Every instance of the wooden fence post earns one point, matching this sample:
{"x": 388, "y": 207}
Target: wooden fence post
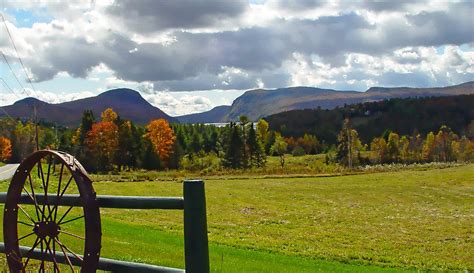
{"x": 196, "y": 248}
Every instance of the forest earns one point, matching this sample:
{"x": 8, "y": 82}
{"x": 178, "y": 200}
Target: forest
{"x": 372, "y": 119}
{"x": 361, "y": 134}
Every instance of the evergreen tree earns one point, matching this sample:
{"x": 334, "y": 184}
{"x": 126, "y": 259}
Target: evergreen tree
{"x": 234, "y": 153}
{"x": 244, "y": 123}
{"x": 151, "y": 160}
{"x": 256, "y": 151}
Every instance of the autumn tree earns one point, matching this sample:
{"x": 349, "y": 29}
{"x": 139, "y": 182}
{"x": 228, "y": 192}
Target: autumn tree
{"x": 429, "y": 147}
{"x": 465, "y": 150}
{"x": 23, "y": 141}
{"x": 109, "y": 115}
{"x": 393, "y": 146}
{"x": 102, "y": 142}
{"x": 349, "y": 145}
{"x": 404, "y": 149}
{"x": 309, "y": 143}
{"x": 279, "y": 148}
{"x": 378, "y": 147}
{"x": 162, "y": 137}
{"x": 5, "y": 149}
{"x": 443, "y": 141}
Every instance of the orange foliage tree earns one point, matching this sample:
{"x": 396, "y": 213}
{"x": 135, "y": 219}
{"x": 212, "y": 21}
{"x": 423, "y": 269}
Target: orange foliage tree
{"x": 102, "y": 141}
{"x": 162, "y": 137}
{"x": 5, "y": 149}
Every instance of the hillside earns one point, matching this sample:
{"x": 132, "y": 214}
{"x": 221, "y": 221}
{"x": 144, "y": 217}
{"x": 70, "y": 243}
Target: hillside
{"x": 214, "y": 115}
{"x": 404, "y": 116}
{"x": 260, "y": 103}
{"x": 128, "y": 103}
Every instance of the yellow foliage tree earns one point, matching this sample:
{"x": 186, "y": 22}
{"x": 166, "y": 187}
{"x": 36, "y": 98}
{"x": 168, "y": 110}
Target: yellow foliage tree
{"x": 109, "y": 115}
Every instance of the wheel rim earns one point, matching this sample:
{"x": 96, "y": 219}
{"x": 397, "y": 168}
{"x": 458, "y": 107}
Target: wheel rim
{"x": 73, "y": 231}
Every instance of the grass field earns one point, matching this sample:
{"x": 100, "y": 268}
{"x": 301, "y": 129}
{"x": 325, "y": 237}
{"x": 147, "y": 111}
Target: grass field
{"x": 379, "y": 222}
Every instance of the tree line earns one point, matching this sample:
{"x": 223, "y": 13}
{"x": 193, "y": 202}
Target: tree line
{"x": 441, "y": 146}
{"x": 372, "y": 119}
{"x": 110, "y": 143}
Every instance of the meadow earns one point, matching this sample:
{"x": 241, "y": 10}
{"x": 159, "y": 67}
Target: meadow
{"x": 411, "y": 219}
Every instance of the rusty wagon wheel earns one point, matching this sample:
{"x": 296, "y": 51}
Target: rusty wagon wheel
{"x": 52, "y": 233}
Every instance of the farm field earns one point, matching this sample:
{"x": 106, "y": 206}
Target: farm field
{"x": 378, "y": 222}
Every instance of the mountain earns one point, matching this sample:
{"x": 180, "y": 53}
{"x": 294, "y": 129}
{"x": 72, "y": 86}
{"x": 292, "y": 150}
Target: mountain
{"x": 212, "y": 116}
{"x": 260, "y": 102}
{"x": 129, "y": 104}
{"x": 373, "y": 119}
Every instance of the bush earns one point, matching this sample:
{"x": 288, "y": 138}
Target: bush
{"x": 298, "y": 151}
{"x": 201, "y": 162}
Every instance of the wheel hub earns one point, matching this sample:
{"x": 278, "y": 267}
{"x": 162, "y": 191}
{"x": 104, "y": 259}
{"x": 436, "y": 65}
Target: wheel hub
{"x": 48, "y": 228}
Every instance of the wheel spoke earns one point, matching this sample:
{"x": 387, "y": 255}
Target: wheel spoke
{"x": 74, "y": 254}
{"x": 59, "y": 198}
{"x": 71, "y": 220}
{"x": 26, "y": 224}
{"x": 68, "y": 210}
{"x": 42, "y": 261}
{"x": 65, "y": 255}
{"x": 72, "y": 234}
{"x": 59, "y": 190}
{"x": 26, "y": 213}
{"x": 37, "y": 207}
{"x": 53, "y": 255}
{"x": 44, "y": 188}
{"x": 29, "y": 251}
{"x": 26, "y": 236}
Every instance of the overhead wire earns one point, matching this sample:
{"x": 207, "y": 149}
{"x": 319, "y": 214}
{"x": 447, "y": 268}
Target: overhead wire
{"x": 28, "y": 77}
{"x": 14, "y": 75}
{"x": 4, "y": 83}
{"x": 17, "y": 54}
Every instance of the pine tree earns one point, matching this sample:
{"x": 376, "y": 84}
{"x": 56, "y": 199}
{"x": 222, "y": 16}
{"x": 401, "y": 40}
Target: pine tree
{"x": 234, "y": 153}
{"x": 256, "y": 151}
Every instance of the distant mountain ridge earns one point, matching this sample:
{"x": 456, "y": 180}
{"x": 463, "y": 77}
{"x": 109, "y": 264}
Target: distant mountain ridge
{"x": 254, "y": 104}
{"x": 261, "y": 103}
{"x": 128, "y": 103}
{"x": 212, "y": 116}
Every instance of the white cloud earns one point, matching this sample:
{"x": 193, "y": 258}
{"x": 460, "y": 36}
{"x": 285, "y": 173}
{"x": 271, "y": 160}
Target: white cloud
{"x": 176, "y": 104}
{"x": 237, "y": 45}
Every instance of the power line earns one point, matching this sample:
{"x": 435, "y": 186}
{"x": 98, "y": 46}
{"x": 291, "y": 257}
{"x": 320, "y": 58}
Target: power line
{"x": 14, "y": 75}
{"x": 4, "y": 83}
{"x": 18, "y": 55}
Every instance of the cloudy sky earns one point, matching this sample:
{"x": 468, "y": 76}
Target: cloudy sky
{"x": 190, "y": 55}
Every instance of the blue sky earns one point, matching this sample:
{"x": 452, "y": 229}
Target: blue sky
{"x": 185, "y": 62}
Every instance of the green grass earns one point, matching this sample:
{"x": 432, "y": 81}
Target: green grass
{"x": 391, "y": 221}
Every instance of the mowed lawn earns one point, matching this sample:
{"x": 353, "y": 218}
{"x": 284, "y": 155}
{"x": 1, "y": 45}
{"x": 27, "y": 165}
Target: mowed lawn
{"x": 392, "y": 221}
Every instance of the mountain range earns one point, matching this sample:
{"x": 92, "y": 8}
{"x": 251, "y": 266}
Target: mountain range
{"x": 255, "y": 104}
{"x": 129, "y": 104}
{"x": 260, "y": 103}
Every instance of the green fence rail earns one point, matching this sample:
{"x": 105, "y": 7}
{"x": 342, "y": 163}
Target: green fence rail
{"x": 193, "y": 203}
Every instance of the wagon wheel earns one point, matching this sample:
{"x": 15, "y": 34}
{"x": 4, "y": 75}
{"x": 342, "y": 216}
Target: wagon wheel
{"x": 52, "y": 233}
